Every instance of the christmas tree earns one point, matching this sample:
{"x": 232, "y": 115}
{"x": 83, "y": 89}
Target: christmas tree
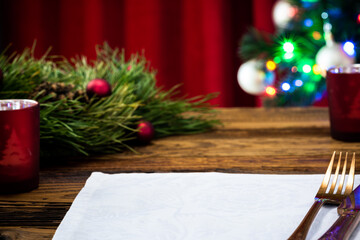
{"x": 288, "y": 68}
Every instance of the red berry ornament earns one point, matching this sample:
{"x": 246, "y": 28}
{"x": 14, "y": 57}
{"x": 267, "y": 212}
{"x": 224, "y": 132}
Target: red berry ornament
{"x": 98, "y": 87}
{"x": 146, "y": 132}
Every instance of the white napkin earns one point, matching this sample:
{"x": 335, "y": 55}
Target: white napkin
{"x": 194, "y": 206}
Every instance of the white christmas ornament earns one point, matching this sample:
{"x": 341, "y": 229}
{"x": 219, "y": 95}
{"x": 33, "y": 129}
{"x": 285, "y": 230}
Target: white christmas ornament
{"x": 251, "y": 77}
{"x": 332, "y": 55}
{"x": 282, "y": 13}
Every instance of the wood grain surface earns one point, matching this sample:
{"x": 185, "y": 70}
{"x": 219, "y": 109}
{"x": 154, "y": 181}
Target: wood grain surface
{"x": 251, "y": 140}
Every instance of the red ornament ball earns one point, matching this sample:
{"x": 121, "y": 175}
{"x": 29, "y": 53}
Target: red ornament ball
{"x": 98, "y": 87}
{"x": 145, "y": 132}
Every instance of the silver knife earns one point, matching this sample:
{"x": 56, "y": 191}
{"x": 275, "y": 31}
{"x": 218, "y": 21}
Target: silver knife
{"x": 349, "y": 218}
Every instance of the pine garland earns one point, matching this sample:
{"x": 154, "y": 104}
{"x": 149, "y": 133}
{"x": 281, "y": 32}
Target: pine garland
{"x": 74, "y": 124}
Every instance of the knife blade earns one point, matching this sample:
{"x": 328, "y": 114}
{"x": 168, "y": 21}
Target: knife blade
{"x": 349, "y": 211}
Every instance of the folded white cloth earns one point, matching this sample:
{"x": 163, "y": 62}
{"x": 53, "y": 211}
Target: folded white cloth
{"x": 194, "y": 206}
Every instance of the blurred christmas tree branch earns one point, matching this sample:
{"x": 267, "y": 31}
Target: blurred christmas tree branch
{"x": 255, "y": 44}
{"x": 288, "y": 67}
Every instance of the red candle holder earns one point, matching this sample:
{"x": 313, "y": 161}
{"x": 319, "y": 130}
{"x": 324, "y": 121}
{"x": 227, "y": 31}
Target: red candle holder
{"x": 343, "y": 86}
{"x": 19, "y": 145}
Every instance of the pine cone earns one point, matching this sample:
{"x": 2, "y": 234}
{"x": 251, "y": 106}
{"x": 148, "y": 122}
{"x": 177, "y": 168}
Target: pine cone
{"x": 58, "y": 91}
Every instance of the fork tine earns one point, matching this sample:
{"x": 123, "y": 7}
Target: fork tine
{"x": 350, "y": 182}
{"x": 322, "y": 197}
{"x": 332, "y": 188}
{"x": 342, "y": 179}
{"x": 326, "y": 180}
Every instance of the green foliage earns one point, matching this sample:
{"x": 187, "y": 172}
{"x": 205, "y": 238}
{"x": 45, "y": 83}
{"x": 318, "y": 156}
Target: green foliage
{"x": 100, "y": 125}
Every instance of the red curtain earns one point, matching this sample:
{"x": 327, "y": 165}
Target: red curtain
{"x": 188, "y": 42}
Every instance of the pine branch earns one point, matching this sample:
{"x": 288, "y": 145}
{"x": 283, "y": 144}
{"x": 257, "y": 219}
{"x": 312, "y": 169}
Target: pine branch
{"x": 76, "y": 124}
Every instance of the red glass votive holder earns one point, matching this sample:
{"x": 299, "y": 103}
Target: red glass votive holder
{"x": 19, "y": 145}
{"x": 343, "y": 86}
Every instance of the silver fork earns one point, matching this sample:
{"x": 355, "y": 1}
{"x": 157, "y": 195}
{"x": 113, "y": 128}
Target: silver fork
{"x": 331, "y": 197}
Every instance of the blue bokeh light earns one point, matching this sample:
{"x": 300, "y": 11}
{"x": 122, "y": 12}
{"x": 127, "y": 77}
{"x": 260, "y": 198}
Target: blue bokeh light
{"x": 308, "y": 22}
{"x": 285, "y": 86}
{"x": 324, "y": 15}
{"x": 298, "y": 83}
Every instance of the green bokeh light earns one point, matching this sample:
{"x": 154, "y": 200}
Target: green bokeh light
{"x": 288, "y": 56}
{"x": 277, "y": 59}
{"x": 316, "y": 78}
{"x": 309, "y": 87}
{"x": 304, "y": 65}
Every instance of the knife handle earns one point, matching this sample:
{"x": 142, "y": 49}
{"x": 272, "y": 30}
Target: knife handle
{"x": 343, "y": 227}
{"x": 303, "y": 228}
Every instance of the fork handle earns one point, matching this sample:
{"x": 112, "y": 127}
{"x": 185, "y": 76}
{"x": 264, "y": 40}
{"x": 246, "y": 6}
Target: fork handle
{"x": 343, "y": 227}
{"x": 302, "y": 230}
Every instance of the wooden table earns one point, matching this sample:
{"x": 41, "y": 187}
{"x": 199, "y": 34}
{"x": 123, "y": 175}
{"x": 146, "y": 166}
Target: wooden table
{"x": 251, "y": 140}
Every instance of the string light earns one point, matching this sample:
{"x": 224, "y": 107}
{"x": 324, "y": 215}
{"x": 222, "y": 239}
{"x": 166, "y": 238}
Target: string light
{"x": 293, "y": 11}
{"x": 349, "y": 48}
{"x": 306, "y": 68}
{"x": 316, "y": 35}
{"x": 318, "y": 96}
{"x": 308, "y": 22}
{"x": 277, "y": 59}
{"x": 288, "y": 47}
{"x": 309, "y": 87}
{"x": 324, "y": 15}
{"x": 298, "y": 82}
{"x": 285, "y": 86}
{"x": 288, "y": 56}
{"x": 294, "y": 69}
{"x": 316, "y": 69}
{"x": 269, "y": 77}
{"x": 327, "y": 27}
{"x": 308, "y": 3}
{"x": 270, "y": 65}
{"x": 271, "y": 91}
